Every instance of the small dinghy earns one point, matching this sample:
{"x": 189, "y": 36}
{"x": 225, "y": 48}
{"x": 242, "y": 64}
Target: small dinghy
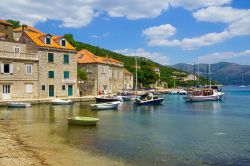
{"x": 149, "y": 99}
{"x": 18, "y": 105}
{"x": 105, "y": 106}
{"x": 61, "y": 102}
{"x": 83, "y": 121}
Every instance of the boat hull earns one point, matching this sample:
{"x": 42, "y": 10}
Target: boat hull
{"x": 105, "y": 106}
{"x": 83, "y": 121}
{"x": 202, "y": 98}
{"x": 61, "y": 102}
{"x": 105, "y": 100}
{"x": 19, "y": 105}
{"x": 149, "y": 102}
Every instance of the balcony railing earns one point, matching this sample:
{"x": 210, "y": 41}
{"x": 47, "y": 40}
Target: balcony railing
{"x": 13, "y": 55}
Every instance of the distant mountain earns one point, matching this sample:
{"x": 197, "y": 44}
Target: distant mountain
{"x": 223, "y": 72}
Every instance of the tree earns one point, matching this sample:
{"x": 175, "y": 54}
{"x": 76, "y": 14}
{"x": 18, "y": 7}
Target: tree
{"x": 15, "y": 23}
{"x": 81, "y": 73}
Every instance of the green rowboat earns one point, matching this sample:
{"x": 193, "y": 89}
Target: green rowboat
{"x": 84, "y": 121}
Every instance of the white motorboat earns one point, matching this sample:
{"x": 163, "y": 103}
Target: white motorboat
{"x": 203, "y": 95}
{"x": 182, "y": 92}
{"x": 173, "y": 92}
{"x": 18, "y": 105}
{"x": 61, "y": 102}
{"x": 148, "y": 99}
{"x": 104, "y": 106}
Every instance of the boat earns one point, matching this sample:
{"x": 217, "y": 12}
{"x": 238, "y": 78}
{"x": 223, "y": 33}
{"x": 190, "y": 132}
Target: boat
{"x": 149, "y": 99}
{"x": 125, "y": 96}
{"x": 105, "y": 106}
{"x": 242, "y": 82}
{"x": 205, "y": 94}
{"x": 173, "y": 92}
{"x": 61, "y": 102}
{"x": 18, "y": 105}
{"x": 105, "y": 99}
{"x": 182, "y": 92}
{"x": 83, "y": 121}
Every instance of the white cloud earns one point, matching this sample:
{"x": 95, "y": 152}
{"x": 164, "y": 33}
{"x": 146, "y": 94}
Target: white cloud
{"x": 79, "y": 13}
{"x": 238, "y": 21}
{"x": 154, "y": 56}
{"x": 165, "y": 30}
{"x": 222, "y": 56}
{"x": 221, "y": 14}
{"x": 195, "y": 4}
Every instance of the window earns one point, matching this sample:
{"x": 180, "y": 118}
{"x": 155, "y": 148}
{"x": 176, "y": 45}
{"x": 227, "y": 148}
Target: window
{"x": 29, "y": 68}
{"x": 17, "y": 49}
{"x": 66, "y": 74}
{"x": 63, "y": 42}
{"x": 51, "y": 74}
{"x": 6, "y": 68}
{"x": 43, "y": 87}
{"x": 48, "y": 40}
{"x": 66, "y": 59}
{"x": 63, "y": 87}
{"x": 6, "y": 89}
{"x": 50, "y": 57}
{"x": 29, "y": 88}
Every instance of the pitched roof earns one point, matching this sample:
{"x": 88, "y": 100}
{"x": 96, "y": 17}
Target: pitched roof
{"x": 27, "y": 28}
{"x": 5, "y": 22}
{"x": 36, "y": 38}
{"x": 125, "y": 71}
{"x": 84, "y": 56}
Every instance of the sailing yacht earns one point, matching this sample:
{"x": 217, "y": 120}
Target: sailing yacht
{"x": 242, "y": 81}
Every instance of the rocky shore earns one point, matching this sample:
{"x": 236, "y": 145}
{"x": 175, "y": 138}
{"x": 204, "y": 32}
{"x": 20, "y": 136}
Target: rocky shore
{"x": 18, "y": 149}
{"x": 14, "y": 150}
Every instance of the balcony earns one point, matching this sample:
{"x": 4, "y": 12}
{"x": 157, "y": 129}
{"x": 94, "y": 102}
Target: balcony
{"x": 21, "y": 56}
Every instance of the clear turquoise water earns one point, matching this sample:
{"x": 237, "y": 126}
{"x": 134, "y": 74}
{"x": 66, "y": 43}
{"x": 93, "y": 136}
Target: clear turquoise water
{"x": 174, "y": 133}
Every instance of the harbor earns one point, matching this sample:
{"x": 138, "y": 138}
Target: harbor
{"x": 175, "y": 132}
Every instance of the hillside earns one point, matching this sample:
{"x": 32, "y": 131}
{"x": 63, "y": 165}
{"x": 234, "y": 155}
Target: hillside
{"x": 223, "y": 72}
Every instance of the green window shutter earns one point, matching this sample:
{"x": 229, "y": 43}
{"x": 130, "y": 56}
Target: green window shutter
{"x": 51, "y": 74}
{"x": 66, "y": 59}
{"x": 66, "y": 74}
{"x": 50, "y": 57}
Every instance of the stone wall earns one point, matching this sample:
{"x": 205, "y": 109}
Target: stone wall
{"x": 58, "y": 67}
{"x": 7, "y": 30}
{"x": 19, "y": 78}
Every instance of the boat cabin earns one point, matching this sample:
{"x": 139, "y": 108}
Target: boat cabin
{"x": 201, "y": 92}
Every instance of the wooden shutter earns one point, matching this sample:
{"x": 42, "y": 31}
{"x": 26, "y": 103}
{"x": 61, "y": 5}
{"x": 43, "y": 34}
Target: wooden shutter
{"x": 2, "y": 68}
{"x": 11, "y": 68}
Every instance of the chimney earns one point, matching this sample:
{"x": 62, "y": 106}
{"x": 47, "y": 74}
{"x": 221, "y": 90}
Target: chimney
{"x": 24, "y": 27}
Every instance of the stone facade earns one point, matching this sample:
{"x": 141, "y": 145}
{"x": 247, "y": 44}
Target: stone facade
{"x": 6, "y": 29}
{"x": 128, "y": 80}
{"x": 58, "y": 67}
{"x": 102, "y": 78}
{"x": 16, "y": 82}
{"x": 104, "y": 75}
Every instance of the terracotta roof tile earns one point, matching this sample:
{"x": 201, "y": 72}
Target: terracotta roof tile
{"x": 36, "y": 38}
{"x": 27, "y": 28}
{"x": 5, "y": 22}
{"x": 84, "y": 56}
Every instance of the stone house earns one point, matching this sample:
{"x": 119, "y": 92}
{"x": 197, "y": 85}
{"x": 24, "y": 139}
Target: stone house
{"x": 6, "y": 30}
{"x": 128, "y": 80}
{"x": 18, "y": 71}
{"x": 104, "y": 75}
{"x": 57, "y": 64}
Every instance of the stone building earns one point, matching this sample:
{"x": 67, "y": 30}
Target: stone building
{"x": 57, "y": 64}
{"x": 128, "y": 80}
{"x": 18, "y": 71}
{"x": 104, "y": 75}
{"x": 6, "y": 30}
{"x": 17, "y": 32}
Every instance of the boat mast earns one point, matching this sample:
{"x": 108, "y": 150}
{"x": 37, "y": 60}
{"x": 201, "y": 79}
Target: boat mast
{"x": 136, "y": 78}
{"x": 198, "y": 74}
{"x": 209, "y": 76}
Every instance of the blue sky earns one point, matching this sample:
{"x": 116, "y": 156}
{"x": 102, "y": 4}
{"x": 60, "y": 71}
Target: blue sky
{"x": 166, "y": 31}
